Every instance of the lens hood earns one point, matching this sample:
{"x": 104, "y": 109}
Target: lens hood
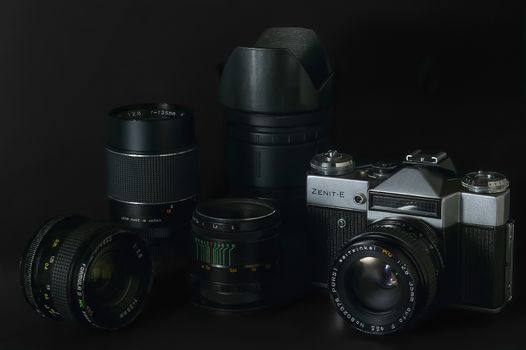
{"x": 287, "y": 71}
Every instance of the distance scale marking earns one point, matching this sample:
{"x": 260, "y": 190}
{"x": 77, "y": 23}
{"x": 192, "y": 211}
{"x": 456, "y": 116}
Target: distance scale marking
{"x": 219, "y": 255}
{"x": 212, "y": 253}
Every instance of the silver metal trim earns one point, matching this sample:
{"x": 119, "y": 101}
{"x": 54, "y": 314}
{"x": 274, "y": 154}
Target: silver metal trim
{"x": 410, "y": 156}
{"x": 485, "y": 209}
{"x": 150, "y": 155}
{"x": 343, "y": 190}
{"x": 157, "y": 203}
{"x": 336, "y": 207}
{"x": 410, "y": 181}
{"x": 374, "y": 215}
{"x": 237, "y": 220}
{"x": 499, "y": 183}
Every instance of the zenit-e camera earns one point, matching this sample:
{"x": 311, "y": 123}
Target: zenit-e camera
{"x": 390, "y": 241}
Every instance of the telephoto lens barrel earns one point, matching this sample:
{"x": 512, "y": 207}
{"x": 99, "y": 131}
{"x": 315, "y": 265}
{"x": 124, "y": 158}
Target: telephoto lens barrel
{"x": 277, "y": 95}
{"x": 93, "y": 273}
{"x": 152, "y": 173}
{"x": 234, "y": 254}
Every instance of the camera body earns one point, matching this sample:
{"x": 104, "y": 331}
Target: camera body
{"x": 470, "y": 217}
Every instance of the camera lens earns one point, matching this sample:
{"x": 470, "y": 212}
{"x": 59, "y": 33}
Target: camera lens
{"x": 385, "y": 279}
{"x": 373, "y": 283}
{"x": 152, "y": 172}
{"x": 277, "y": 95}
{"x": 93, "y": 273}
{"x": 235, "y": 258}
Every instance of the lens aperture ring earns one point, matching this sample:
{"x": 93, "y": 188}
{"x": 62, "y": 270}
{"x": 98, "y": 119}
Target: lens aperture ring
{"x": 395, "y": 241}
{"x": 63, "y": 270}
{"x": 29, "y": 268}
{"x": 97, "y": 274}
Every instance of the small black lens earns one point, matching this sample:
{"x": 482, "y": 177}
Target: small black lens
{"x": 385, "y": 279}
{"x": 94, "y": 273}
{"x": 234, "y": 254}
{"x": 152, "y": 173}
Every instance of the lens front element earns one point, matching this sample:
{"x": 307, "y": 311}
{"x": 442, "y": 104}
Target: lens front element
{"x": 385, "y": 279}
{"x": 374, "y": 284}
{"x": 94, "y": 273}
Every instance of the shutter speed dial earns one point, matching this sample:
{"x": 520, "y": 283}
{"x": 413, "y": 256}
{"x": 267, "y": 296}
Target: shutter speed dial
{"x": 485, "y": 182}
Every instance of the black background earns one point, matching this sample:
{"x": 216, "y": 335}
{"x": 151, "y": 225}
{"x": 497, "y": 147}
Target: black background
{"x": 444, "y": 75}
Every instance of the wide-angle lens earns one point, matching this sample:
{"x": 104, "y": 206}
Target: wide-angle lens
{"x": 234, "y": 254}
{"x": 94, "y": 273}
{"x": 385, "y": 279}
{"x": 152, "y": 173}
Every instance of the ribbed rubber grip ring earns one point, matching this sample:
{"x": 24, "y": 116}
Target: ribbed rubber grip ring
{"x": 278, "y": 137}
{"x": 151, "y": 179}
{"x": 64, "y": 265}
{"x": 29, "y": 258}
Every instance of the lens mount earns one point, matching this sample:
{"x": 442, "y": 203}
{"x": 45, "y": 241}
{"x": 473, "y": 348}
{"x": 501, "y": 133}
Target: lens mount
{"x": 151, "y": 164}
{"x": 385, "y": 280}
{"x": 93, "y": 273}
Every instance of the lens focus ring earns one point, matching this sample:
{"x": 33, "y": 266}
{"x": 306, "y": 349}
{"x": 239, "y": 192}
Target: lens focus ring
{"x": 62, "y": 266}
{"x": 151, "y": 179}
{"x": 61, "y": 272}
{"x": 276, "y": 137}
{"x": 408, "y": 250}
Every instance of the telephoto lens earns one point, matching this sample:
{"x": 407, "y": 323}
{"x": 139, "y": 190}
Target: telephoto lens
{"x": 93, "y": 273}
{"x": 152, "y": 173}
{"x": 277, "y": 95}
{"x": 234, "y": 254}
